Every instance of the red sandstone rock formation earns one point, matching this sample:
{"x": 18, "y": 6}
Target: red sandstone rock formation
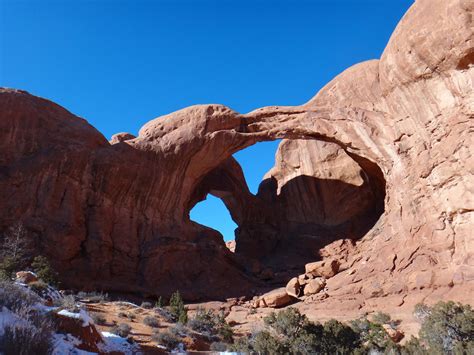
{"x": 395, "y": 173}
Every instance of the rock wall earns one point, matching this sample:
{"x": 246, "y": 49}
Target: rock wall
{"x": 116, "y": 216}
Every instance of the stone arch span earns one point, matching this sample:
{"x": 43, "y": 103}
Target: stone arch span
{"x": 119, "y": 210}
{"x": 329, "y": 195}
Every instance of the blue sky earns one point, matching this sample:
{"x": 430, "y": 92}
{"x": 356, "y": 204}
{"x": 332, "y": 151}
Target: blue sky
{"x": 121, "y": 63}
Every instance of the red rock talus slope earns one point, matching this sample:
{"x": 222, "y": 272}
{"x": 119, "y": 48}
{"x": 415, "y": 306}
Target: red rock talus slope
{"x": 116, "y": 216}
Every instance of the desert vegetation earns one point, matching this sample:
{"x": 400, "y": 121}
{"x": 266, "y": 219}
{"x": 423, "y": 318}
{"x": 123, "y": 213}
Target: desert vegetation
{"x": 446, "y": 327}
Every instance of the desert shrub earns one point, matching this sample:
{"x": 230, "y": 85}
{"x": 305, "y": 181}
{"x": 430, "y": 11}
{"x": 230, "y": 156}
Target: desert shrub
{"x": 177, "y": 308}
{"x": 203, "y": 321}
{"x": 98, "y": 318}
{"x": 339, "y": 338}
{"x": 413, "y": 346}
{"x": 421, "y": 311}
{"x": 131, "y": 316}
{"x": 165, "y": 313}
{"x": 179, "y": 330}
{"x": 151, "y": 321}
{"x": 289, "y": 331}
{"x": 242, "y": 345}
{"x": 68, "y": 303}
{"x": 8, "y": 267}
{"x": 169, "y": 340}
{"x": 43, "y": 269}
{"x": 448, "y": 328}
{"x": 146, "y": 305}
{"x": 288, "y": 322}
{"x": 159, "y": 302}
{"x": 13, "y": 296}
{"x": 38, "y": 287}
{"x": 265, "y": 343}
{"x": 381, "y": 318}
{"x": 96, "y": 297}
{"x": 225, "y": 332}
{"x": 123, "y": 330}
{"x": 128, "y": 315}
{"x": 372, "y": 335}
{"x": 211, "y": 324}
{"x": 218, "y": 346}
{"x": 26, "y": 340}
{"x": 31, "y": 335}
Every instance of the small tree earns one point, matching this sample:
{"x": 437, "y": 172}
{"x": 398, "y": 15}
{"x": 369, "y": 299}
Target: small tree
{"x": 177, "y": 308}
{"x": 449, "y": 328}
{"x": 14, "y": 250}
{"x": 43, "y": 269}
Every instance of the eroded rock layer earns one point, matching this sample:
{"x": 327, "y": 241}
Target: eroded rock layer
{"x": 397, "y": 154}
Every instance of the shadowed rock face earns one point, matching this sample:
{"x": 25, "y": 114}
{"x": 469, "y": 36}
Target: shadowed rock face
{"x": 397, "y": 144}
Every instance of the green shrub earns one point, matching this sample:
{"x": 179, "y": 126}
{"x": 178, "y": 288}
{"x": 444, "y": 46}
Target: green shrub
{"x": 448, "y": 328}
{"x": 339, "y": 338}
{"x": 169, "y": 340}
{"x": 211, "y": 324}
{"x": 159, "y": 303}
{"x": 151, "y": 321}
{"x": 381, "y": 318}
{"x": 372, "y": 335}
{"x": 265, "y": 343}
{"x": 289, "y": 331}
{"x": 8, "y": 267}
{"x": 123, "y": 330}
{"x": 177, "y": 308}
{"x": 413, "y": 346}
{"x": 288, "y": 322}
{"x": 43, "y": 269}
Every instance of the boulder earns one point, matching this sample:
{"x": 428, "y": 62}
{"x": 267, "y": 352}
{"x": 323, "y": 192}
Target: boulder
{"x": 325, "y": 268}
{"x": 81, "y": 326}
{"x": 121, "y": 137}
{"x": 26, "y": 277}
{"x": 293, "y": 287}
{"x": 314, "y": 286}
{"x": 275, "y": 299}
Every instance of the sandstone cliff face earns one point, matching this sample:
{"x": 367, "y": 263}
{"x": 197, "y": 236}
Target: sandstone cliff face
{"x": 388, "y": 147}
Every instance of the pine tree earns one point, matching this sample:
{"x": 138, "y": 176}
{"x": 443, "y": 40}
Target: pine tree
{"x": 177, "y": 308}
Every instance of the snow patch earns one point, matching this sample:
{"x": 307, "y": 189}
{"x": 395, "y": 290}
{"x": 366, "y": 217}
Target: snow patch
{"x": 66, "y": 344}
{"x": 82, "y": 315}
{"x": 113, "y": 342}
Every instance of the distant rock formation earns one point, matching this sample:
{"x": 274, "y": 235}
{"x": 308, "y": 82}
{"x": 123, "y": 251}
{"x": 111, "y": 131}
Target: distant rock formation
{"x": 382, "y": 157}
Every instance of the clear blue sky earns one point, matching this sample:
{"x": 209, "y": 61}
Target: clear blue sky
{"x": 121, "y": 63}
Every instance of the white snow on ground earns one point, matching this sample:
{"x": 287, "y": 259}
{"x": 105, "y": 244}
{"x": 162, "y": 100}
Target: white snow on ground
{"x": 66, "y": 344}
{"x": 82, "y": 315}
{"x": 114, "y": 342}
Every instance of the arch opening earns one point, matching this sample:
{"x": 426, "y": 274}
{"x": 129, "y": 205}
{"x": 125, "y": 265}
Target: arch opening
{"x": 316, "y": 193}
{"x": 213, "y": 213}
